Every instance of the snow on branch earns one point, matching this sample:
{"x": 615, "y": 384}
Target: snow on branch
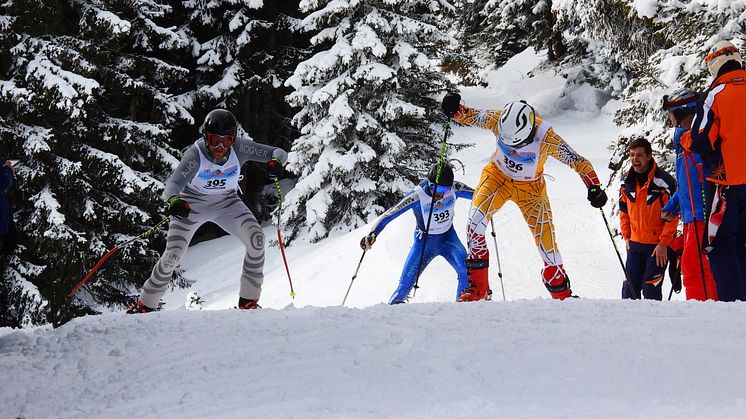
{"x": 72, "y": 90}
{"x": 130, "y": 180}
{"x": 48, "y": 216}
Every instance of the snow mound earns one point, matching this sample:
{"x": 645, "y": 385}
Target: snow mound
{"x": 527, "y": 358}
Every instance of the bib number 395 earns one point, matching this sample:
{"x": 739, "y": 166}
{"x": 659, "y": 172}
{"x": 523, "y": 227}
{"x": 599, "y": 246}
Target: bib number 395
{"x": 215, "y": 183}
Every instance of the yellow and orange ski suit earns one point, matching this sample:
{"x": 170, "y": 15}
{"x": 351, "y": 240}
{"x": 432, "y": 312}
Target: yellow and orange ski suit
{"x": 515, "y": 174}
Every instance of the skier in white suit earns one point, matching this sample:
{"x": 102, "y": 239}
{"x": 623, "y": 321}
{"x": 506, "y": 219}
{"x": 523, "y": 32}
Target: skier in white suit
{"x": 203, "y": 188}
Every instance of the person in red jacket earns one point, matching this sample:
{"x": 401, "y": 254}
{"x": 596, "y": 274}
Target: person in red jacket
{"x": 719, "y": 134}
{"x": 645, "y": 190}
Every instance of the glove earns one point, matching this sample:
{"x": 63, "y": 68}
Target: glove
{"x": 366, "y": 243}
{"x": 597, "y": 196}
{"x": 674, "y": 270}
{"x": 274, "y": 169}
{"x": 450, "y": 104}
{"x": 177, "y": 207}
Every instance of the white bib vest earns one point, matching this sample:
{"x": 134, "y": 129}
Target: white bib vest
{"x": 215, "y": 179}
{"x": 521, "y": 163}
{"x": 442, "y": 217}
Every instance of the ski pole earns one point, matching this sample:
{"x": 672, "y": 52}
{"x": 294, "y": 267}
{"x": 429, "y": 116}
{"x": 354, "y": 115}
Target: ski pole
{"x": 279, "y": 238}
{"x": 353, "y": 278}
{"x": 702, "y": 189}
{"x": 114, "y": 250}
{"x": 627, "y": 282}
{"x": 688, "y": 155}
{"x": 432, "y": 204}
{"x": 497, "y": 253}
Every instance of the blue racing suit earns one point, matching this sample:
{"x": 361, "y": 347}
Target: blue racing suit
{"x": 441, "y": 241}
{"x": 681, "y": 202}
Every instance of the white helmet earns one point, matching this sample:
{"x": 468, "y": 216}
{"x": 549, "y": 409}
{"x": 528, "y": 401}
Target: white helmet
{"x": 719, "y": 54}
{"x": 517, "y": 124}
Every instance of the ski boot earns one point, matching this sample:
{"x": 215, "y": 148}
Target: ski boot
{"x": 139, "y": 308}
{"x": 557, "y": 282}
{"x": 479, "y": 284}
{"x": 245, "y": 304}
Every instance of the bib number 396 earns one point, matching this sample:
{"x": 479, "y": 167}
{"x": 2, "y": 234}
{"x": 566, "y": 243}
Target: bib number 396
{"x": 513, "y": 165}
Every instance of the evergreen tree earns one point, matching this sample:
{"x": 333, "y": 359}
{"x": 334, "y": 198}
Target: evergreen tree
{"x": 244, "y": 52}
{"x": 660, "y": 46}
{"x": 86, "y": 99}
{"x": 368, "y": 103}
{"x": 465, "y": 58}
{"x": 490, "y": 32}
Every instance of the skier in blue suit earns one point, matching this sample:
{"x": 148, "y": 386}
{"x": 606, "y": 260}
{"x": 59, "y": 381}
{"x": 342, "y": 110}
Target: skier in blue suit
{"x": 442, "y": 239}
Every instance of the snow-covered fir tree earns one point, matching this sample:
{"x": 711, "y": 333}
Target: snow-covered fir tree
{"x": 368, "y": 107}
{"x": 86, "y": 101}
{"x": 490, "y": 32}
{"x": 660, "y": 46}
{"x": 245, "y": 50}
{"x": 93, "y": 96}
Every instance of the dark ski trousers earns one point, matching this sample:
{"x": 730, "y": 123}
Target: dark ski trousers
{"x": 728, "y": 255}
{"x": 644, "y": 275}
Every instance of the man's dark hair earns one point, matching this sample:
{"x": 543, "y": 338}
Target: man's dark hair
{"x": 641, "y": 142}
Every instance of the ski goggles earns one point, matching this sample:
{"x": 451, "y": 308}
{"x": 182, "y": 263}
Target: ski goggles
{"x": 672, "y": 105}
{"x": 723, "y": 51}
{"x": 438, "y": 189}
{"x": 220, "y": 141}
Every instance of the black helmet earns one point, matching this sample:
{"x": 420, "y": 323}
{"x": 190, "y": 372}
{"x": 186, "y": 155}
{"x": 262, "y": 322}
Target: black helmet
{"x": 220, "y": 122}
{"x": 446, "y": 175}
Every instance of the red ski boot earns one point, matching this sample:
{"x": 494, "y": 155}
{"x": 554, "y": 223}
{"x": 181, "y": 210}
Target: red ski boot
{"x": 556, "y": 281}
{"x": 479, "y": 284}
{"x": 245, "y": 304}
{"x": 139, "y": 308}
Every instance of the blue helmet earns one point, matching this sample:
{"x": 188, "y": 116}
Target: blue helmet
{"x": 681, "y": 99}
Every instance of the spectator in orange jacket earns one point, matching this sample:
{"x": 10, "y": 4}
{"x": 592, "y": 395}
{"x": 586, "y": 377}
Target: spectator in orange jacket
{"x": 719, "y": 135}
{"x": 645, "y": 190}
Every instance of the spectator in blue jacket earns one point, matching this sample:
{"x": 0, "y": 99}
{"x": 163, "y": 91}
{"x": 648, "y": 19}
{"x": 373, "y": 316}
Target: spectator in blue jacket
{"x": 6, "y": 179}
{"x": 689, "y": 198}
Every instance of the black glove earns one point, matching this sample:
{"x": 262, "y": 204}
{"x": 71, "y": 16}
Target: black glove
{"x": 366, "y": 243}
{"x": 674, "y": 270}
{"x": 450, "y": 104}
{"x": 274, "y": 169}
{"x": 177, "y": 207}
{"x": 597, "y": 196}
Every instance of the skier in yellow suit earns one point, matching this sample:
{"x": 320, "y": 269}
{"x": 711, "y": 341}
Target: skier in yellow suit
{"x": 524, "y": 142}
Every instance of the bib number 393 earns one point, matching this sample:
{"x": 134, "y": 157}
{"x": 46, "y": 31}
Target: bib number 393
{"x": 442, "y": 216}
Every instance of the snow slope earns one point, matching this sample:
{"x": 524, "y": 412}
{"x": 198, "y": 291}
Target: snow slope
{"x": 517, "y": 359}
{"x": 526, "y": 357}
